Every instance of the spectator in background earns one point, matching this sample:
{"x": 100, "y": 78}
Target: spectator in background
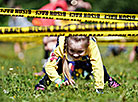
{"x": 115, "y": 50}
{"x": 19, "y": 22}
{"x": 53, "y": 5}
{"x": 133, "y": 54}
{"x": 50, "y": 41}
{"x": 74, "y": 4}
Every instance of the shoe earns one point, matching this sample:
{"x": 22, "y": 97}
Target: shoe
{"x": 39, "y": 87}
{"x": 112, "y": 83}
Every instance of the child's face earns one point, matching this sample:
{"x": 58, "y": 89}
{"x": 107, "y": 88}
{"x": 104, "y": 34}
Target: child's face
{"x": 76, "y": 49}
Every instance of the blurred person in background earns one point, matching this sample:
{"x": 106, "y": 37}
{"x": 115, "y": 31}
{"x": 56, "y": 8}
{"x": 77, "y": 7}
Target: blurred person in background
{"x": 133, "y": 54}
{"x": 116, "y": 50}
{"x": 74, "y": 4}
{"x": 19, "y": 22}
{"x": 49, "y": 42}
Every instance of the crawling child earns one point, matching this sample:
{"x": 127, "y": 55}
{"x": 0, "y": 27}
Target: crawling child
{"x": 72, "y": 54}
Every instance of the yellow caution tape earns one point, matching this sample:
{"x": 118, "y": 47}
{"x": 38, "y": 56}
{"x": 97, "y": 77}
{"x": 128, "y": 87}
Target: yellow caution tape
{"x": 72, "y": 16}
{"x": 127, "y": 41}
{"x": 21, "y": 39}
{"x": 116, "y": 38}
{"x": 100, "y": 40}
{"x": 130, "y": 33}
{"x": 118, "y": 43}
{"x": 71, "y": 27}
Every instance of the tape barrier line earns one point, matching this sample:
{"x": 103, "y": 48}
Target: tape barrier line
{"x": 127, "y": 41}
{"x": 108, "y": 39}
{"x": 72, "y": 16}
{"x": 118, "y": 43}
{"x": 120, "y": 40}
{"x": 131, "y": 33}
{"x": 38, "y": 40}
{"x": 116, "y": 38}
{"x": 71, "y": 27}
{"x": 21, "y": 39}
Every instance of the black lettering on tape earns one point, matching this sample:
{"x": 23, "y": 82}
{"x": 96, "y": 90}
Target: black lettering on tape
{"x": 64, "y": 13}
{"x": 30, "y": 30}
{"x": 7, "y": 10}
{"x": 110, "y": 16}
{"x": 72, "y": 14}
{"x": 21, "y": 11}
{"x": 126, "y": 26}
{"x": 29, "y": 11}
{"x": 129, "y": 34}
{"x": 42, "y": 13}
{"x": 56, "y": 13}
{"x": 75, "y": 14}
{"x": 133, "y": 17}
{"x": 126, "y": 17}
{"x": 37, "y": 13}
{"x": 91, "y": 15}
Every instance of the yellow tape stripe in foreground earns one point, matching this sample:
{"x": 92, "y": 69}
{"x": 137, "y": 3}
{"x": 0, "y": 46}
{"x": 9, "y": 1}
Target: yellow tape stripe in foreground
{"x": 118, "y": 43}
{"x": 69, "y": 15}
{"x": 100, "y": 40}
{"x": 133, "y": 33}
{"x": 40, "y": 41}
{"x": 21, "y": 39}
{"x": 72, "y": 27}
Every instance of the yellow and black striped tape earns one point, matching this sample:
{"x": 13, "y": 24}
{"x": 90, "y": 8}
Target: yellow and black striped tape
{"x": 21, "y": 39}
{"x": 118, "y": 43}
{"x": 70, "y": 28}
{"x": 100, "y": 40}
{"x": 133, "y": 33}
{"x": 72, "y": 16}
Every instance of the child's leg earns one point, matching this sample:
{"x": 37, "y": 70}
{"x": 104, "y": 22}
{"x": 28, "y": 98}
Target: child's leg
{"x": 106, "y": 75}
{"x": 44, "y": 82}
{"x": 111, "y": 82}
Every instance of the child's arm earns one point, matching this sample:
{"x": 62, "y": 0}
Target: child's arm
{"x": 97, "y": 65}
{"x": 51, "y": 66}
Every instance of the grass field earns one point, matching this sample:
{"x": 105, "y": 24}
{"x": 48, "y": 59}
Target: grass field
{"x": 17, "y": 81}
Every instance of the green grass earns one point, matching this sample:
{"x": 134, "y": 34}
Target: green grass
{"x": 17, "y": 85}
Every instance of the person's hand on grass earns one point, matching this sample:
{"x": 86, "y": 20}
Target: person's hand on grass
{"x": 67, "y": 82}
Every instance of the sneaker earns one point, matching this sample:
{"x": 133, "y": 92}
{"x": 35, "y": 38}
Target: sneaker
{"x": 112, "y": 83}
{"x": 39, "y": 87}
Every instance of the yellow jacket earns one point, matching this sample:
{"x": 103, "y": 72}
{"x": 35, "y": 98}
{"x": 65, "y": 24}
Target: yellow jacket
{"x": 92, "y": 52}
